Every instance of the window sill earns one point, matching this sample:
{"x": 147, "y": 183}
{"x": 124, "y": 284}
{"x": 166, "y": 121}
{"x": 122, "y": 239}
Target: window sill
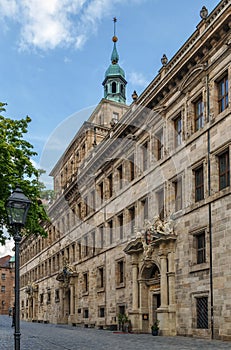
{"x": 120, "y": 285}
{"x": 199, "y": 267}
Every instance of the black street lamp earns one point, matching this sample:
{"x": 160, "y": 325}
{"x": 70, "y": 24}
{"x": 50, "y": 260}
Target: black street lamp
{"x": 17, "y": 207}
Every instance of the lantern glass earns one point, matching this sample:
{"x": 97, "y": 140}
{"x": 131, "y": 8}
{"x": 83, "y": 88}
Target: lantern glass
{"x": 17, "y": 208}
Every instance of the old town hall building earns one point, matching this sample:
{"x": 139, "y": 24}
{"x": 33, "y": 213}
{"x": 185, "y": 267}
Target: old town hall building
{"x": 140, "y": 224}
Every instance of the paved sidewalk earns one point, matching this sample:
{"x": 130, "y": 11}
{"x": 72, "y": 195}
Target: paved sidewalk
{"x": 37, "y": 336}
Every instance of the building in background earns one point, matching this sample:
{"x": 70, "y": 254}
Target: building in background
{"x": 6, "y": 284}
{"x": 140, "y": 225}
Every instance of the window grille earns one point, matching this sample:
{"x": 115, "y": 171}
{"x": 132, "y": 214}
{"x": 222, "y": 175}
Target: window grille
{"x": 202, "y": 313}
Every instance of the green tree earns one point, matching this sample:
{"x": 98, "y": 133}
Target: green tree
{"x": 16, "y": 168}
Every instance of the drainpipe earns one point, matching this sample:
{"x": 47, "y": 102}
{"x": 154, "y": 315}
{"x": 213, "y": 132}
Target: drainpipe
{"x": 210, "y": 211}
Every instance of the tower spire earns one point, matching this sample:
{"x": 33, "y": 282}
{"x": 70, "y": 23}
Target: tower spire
{"x": 114, "y": 55}
{"x": 115, "y": 82}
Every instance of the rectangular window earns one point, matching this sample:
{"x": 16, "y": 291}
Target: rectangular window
{"x": 145, "y": 155}
{"x": 101, "y": 192}
{"x": 86, "y": 206}
{"x": 178, "y": 194}
{"x": 199, "y": 114}
{"x": 86, "y": 245}
{"x": 120, "y": 271}
{"x": 3, "y": 289}
{"x": 199, "y": 184}
{"x": 48, "y": 297}
{"x": 144, "y": 208}
{"x": 120, "y": 176}
{"x": 178, "y": 131}
{"x": 80, "y": 210}
{"x": 101, "y": 277}
{"x": 80, "y": 250}
{"x": 101, "y": 236}
{"x": 131, "y": 212}
{"x": 110, "y": 185}
{"x": 224, "y": 171}
{"x": 93, "y": 201}
{"x": 3, "y": 276}
{"x": 201, "y": 249}
{"x": 223, "y": 93}
{"x": 85, "y": 313}
{"x": 57, "y": 295}
{"x": 160, "y": 201}
{"x": 202, "y": 312}
{"x": 101, "y": 312}
{"x": 121, "y": 222}
{"x": 85, "y": 282}
{"x": 159, "y": 145}
{"x": 115, "y": 117}
{"x": 93, "y": 242}
{"x": 41, "y": 298}
{"x": 110, "y": 227}
{"x": 132, "y": 167}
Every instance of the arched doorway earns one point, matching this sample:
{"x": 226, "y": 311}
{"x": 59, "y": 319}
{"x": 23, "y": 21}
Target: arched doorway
{"x": 150, "y": 294}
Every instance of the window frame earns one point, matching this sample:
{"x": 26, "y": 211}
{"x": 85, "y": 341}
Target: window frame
{"x": 178, "y": 136}
{"x": 199, "y": 118}
{"x": 223, "y": 96}
{"x": 200, "y": 248}
{"x": 178, "y": 194}
{"x": 159, "y": 144}
{"x": 120, "y": 273}
{"x": 199, "y": 186}
{"x": 226, "y": 172}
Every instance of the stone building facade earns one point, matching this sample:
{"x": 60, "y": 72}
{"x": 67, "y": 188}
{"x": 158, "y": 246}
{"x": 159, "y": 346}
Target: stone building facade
{"x": 140, "y": 223}
{"x": 7, "y": 276}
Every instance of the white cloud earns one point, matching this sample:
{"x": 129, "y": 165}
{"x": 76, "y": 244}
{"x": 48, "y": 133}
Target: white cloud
{"x": 8, "y": 8}
{"x": 137, "y": 79}
{"x": 7, "y": 248}
{"x": 47, "y": 24}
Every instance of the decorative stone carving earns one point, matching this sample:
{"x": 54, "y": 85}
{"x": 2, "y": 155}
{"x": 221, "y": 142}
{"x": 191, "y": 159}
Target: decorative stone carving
{"x": 153, "y": 231}
{"x": 66, "y": 273}
{"x": 159, "y": 226}
{"x": 31, "y": 288}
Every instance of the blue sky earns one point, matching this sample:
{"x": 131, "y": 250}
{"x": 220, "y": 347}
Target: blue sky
{"x": 54, "y": 54}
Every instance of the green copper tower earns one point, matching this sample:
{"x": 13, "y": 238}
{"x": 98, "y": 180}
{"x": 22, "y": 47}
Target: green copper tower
{"x": 114, "y": 82}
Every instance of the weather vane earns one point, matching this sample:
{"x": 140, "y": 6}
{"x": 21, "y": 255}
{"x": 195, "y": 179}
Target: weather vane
{"x": 114, "y": 39}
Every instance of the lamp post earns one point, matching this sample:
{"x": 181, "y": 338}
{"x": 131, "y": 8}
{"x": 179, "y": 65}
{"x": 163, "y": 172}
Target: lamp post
{"x": 17, "y": 207}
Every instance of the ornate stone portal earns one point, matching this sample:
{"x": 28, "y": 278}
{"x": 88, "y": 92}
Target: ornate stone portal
{"x": 66, "y": 291}
{"x": 32, "y": 308}
{"x": 153, "y": 277}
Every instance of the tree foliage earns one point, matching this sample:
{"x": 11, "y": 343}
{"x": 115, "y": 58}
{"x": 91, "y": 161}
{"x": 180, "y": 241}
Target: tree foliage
{"x": 16, "y": 169}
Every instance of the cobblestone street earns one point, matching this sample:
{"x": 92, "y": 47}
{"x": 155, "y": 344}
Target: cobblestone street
{"x": 39, "y": 336}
